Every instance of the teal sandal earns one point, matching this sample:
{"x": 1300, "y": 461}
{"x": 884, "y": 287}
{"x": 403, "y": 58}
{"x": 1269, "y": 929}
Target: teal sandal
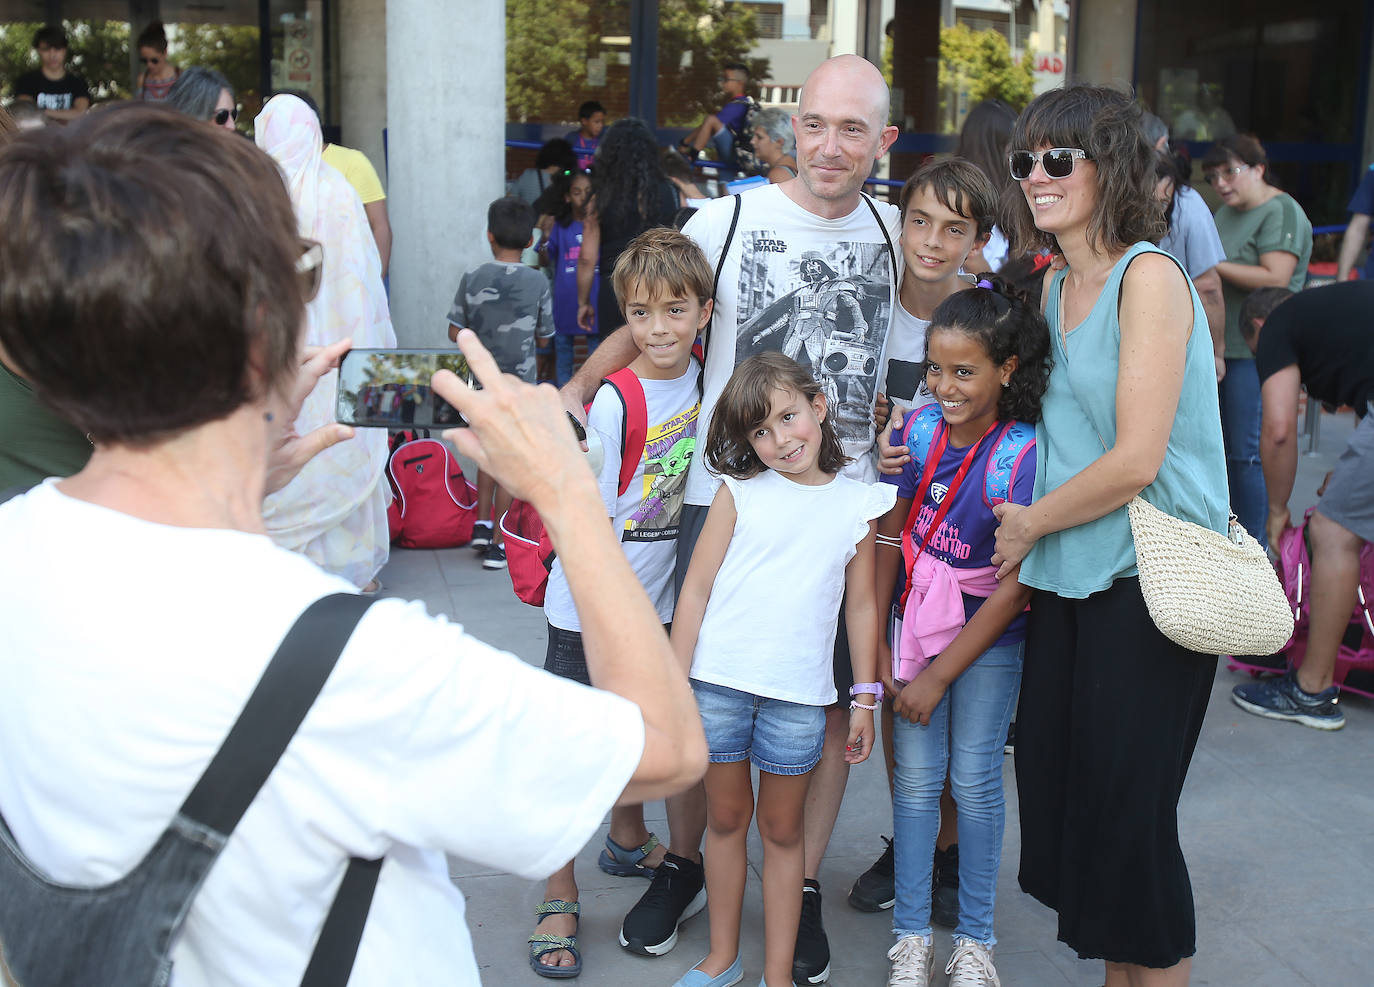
{"x": 619, "y": 861}
{"x": 543, "y": 943}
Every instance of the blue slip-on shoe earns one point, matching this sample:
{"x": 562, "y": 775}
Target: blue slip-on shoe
{"x": 696, "y": 978}
{"x": 619, "y": 861}
{"x": 1283, "y": 699}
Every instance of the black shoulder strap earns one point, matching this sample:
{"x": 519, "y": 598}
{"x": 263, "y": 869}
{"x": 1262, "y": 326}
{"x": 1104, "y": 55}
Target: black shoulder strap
{"x": 288, "y": 688}
{"x": 715, "y": 281}
{"x": 891, "y": 253}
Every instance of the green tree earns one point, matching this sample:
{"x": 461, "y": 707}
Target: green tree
{"x": 230, "y": 49}
{"x": 548, "y": 43}
{"x": 980, "y": 63}
{"x": 695, "y": 37}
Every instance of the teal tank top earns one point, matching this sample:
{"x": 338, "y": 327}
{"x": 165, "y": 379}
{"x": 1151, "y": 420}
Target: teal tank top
{"x": 1080, "y": 405}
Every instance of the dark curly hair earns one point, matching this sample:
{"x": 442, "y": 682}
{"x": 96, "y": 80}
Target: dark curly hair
{"x": 1007, "y": 324}
{"x": 747, "y": 401}
{"x": 627, "y": 175}
{"x": 1105, "y": 123}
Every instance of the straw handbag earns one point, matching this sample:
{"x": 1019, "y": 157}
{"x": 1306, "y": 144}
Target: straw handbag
{"x": 1208, "y": 592}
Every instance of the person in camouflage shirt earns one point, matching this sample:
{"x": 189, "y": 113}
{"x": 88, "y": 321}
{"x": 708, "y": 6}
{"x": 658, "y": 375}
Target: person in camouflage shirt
{"x": 508, "y": 305}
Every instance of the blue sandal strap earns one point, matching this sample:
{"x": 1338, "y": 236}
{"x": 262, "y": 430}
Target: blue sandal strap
{"x": 632, "y": 855}
{"x": 553, "y": 942}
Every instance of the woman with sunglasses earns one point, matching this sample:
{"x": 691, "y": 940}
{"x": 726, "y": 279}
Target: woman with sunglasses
{"x": 1268, "y": 242}
{"x": 206, "y": 95}
{"x": 158, "y": 75}
{"x": 334, "y": 512}
{"x": 1110, "y": 708}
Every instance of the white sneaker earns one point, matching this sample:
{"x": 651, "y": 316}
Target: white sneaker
{"x": 971, "y": 965}
{"x": 912, "y": 959}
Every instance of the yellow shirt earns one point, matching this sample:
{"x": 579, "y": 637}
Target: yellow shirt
{"x": 355, "y": 167}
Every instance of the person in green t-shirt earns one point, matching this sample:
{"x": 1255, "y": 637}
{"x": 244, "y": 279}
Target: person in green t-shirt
{"x": 1268, "y": 242}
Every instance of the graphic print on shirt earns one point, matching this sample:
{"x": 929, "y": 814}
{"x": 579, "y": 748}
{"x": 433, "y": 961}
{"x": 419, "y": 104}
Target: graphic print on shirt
{"x": 827, "y": 309}
{"x": 668, "y": 450}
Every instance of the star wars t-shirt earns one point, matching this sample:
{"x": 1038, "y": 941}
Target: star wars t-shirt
{"x": 818, "y": 290}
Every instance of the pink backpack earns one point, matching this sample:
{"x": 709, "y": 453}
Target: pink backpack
{"x": 1356, "y": 652}
{"x": 435, "y": 505}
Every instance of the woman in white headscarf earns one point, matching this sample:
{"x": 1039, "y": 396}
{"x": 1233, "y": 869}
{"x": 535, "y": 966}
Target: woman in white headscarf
{"x": 334, "y": 512}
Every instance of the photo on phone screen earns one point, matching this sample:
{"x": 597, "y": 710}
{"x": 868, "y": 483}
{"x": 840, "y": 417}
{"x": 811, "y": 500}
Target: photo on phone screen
{"x": 390, "y": 388}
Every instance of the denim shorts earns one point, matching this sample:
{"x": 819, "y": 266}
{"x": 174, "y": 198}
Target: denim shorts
{"x": 565, "y": 657}
{"x": 779, "y": 737}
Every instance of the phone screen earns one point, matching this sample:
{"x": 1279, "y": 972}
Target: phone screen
{"x": 390, "y": 388}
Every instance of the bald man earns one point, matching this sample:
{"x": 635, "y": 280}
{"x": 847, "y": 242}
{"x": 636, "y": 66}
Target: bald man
{"x": 769, "y": 296}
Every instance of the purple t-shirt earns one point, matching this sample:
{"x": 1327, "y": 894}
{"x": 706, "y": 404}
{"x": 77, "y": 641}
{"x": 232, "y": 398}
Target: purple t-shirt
{"x": 733, "y": 113}
{"x": 584, "y": 147}
{"x": 565, "y": 246}
{"x": 966, "y": 537}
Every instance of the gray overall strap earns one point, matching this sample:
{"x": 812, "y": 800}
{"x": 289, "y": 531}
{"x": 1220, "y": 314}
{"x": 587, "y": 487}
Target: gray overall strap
{"x": 270, "y": 718}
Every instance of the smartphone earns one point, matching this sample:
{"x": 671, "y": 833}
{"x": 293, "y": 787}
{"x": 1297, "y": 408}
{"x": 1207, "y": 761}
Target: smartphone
{"x": 390, "y": 388}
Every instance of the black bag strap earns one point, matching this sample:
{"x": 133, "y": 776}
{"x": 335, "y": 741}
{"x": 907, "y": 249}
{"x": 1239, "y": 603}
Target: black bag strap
{"x": 288, "y": 688}
{"x": 715, "y": 281}
{"x": 891, "y": 253}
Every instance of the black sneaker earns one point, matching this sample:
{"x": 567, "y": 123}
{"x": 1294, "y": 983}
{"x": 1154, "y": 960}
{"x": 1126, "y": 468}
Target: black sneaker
{"x": 811, "y": 955}
{"x": 495, "y": 557}
{"x": 944, "y": 887}
{"x": 481, "y": 535}
{"x": 1283, "y": 699}
{"x": 875, "y": 889}
{"x": 677, "y": 892}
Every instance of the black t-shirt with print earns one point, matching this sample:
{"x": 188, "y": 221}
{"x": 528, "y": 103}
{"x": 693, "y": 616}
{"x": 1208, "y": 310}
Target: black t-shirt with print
{"x": 1329, "y": 333}
{"x": 52, "y": 94}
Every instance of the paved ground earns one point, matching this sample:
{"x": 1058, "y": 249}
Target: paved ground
{"x": 1277, "y": 822}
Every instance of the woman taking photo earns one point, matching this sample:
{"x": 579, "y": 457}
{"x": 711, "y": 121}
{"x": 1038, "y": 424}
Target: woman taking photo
{"x": 1110, "y": 708}
{"x": 630, "y": 194}
{"x": 1268, "y": 242}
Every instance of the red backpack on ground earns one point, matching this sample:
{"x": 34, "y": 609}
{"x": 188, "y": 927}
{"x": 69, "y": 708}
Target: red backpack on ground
{"x": 434, "y": 505}
{"x": 529, "y": 553}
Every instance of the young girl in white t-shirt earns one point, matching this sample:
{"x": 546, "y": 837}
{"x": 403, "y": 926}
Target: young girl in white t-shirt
{"x": 785, "y": 540}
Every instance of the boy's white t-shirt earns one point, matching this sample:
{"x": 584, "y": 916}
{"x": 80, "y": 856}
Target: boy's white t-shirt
{"x": 819, "y": 290}
{"x": 646, "y": 517}
{"x": 906, "y": 351}
{"x": 769, "y": 626}
{"x": 130, "y": 649}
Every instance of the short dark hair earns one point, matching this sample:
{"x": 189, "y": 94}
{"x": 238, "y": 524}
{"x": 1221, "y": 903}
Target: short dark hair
{"x": 1006, "y": 324}
{"x": 1244, "y": 148}
{"x": 960, "y": 186}
{"x": 196, "y": 92}
{"x": 737, "y": 67}
{"x": 150, "y": 272}
{"x": 153, "y": 36}
{"x": 669, "y": 263}
{"x": 1104, "y": 123}
{"x": 747, "y": 400}
{"x": 510, "y": 223}
{"x": 1258, "y": 306}
{"x": 588, "y": 108}
{"x": 556, "y": 152}
{"x": 51, "y": 35}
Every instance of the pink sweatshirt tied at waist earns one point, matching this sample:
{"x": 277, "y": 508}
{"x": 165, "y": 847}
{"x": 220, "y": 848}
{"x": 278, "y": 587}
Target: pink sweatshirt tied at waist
{"x": 934, "y": 613}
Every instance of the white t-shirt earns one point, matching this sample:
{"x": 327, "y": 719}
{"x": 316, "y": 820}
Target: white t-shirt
{"x": 996, "y": 250}
{"x": 769, "y": 626}
{"x": 646, "y": 517}
{"x": 819, "y": 290}
{"x": 131, "y": 648}
{"x": 906, "y": 351}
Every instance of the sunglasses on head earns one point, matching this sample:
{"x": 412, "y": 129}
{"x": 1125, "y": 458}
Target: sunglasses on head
{"x": 310, "y": 267}
{"x": 224, "y": 116}
{"x": 1056, "y": 161}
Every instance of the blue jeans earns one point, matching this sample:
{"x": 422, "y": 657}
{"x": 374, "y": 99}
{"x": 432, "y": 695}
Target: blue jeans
{"x": 563, "y": 355}
{"x": 1240, "y": 429}
{"x": 967, "y": 734}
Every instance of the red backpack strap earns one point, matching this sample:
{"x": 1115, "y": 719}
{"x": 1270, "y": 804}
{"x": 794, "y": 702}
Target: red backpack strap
{"x": 634, "y": 424}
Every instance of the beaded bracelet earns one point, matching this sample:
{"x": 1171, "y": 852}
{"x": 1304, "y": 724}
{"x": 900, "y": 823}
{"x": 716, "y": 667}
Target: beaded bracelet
{"x": 855, "y": 704}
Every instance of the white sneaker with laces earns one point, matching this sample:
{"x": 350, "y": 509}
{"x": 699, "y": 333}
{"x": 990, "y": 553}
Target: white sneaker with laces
{"x": 971, "y": 965}
{"x": 912, "y": 959}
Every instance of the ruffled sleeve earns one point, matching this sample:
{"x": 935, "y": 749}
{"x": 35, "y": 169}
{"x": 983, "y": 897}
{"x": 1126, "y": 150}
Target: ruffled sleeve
{"x": 878, "y": 499}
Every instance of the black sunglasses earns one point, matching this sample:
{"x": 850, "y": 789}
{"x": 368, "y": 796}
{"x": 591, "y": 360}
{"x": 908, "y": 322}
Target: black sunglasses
{"x": 224, "y": 116}
{"x": 1057, "y": 161}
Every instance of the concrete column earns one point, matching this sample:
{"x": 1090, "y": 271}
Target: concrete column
{"x": 446, "y": 134}
{"x": 1104, "y": 52}
{"x": 362, "y": 77}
